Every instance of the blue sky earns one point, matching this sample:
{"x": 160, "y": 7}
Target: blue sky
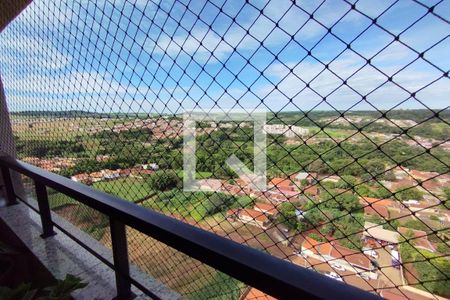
{"x": 163, "y": 57}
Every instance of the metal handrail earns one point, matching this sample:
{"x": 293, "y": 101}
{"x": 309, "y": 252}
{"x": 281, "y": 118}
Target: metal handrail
{"x": 267, "y": 273}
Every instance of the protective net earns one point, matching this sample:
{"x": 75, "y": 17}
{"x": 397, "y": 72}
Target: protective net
{"x": 354, "y": 96}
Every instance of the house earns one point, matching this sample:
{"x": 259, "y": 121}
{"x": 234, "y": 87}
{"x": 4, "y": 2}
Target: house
{"x": 419, "y": 238}
{"x": 301, "y": 176}
{"x": 96, "y": 176}
{"x": 251, "y": 181}
{"x": 102, "y": 158}
{"x": 388, "y": 203}
{"x": 110, "y": 174}
{"x": 312, "y": 190}
{"x": 378, "y": 234}
{"x": 407, "y": 293}
{"x": 232, "y": 189}
{"x": 210, "y": 184}
{"x": 332, "y": 252}
{"x": 268, "y": 209}
{"x": 377, "y": 210}
{"x": 282, "y": 184}
{"x": 124, "y": 172}
{"x": 278, "y": 196}
{"x": 289, "y": 131}
{"x": 83, "y": 177}
{"x": 151, "y": 166}
{"x": 420, "y": 175}
{"x": 253, "y": 217}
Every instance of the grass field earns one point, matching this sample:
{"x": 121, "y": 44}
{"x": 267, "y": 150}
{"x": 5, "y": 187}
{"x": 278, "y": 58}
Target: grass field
{"x": 195, "y": 205}
{"x": 198, "y": 175}
{"x": 130, "y": 188}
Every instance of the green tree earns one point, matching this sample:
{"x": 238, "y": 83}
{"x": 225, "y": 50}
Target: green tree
{"x": 343, "y": 202}
{"x": 409, "y": 194}
{"x": 347, "y": 182}
{"x": 287, "y": 215}
{"x": 164, "y": 180}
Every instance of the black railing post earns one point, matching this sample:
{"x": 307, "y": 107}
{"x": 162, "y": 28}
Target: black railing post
{"x": 120, "y": 255}
{"x": 9, "y": 188}
{"x": 44, "y": 210}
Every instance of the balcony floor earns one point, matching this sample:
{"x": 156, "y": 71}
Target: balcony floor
{"x": 61, "y": 255}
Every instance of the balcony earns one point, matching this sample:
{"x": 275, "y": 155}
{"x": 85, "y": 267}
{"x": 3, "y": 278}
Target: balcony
{"x": 257, "y": 269}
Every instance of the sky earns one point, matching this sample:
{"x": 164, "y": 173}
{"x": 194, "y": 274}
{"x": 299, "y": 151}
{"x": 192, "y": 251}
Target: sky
{"x": 169, "y": 56}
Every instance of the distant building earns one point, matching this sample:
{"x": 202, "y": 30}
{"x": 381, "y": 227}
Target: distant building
{"x": 285, "y": 184}
{"x": 110, "y": 174}
{"x": 310, "y": 178}
{"x": 83, "y": 177}
{"x": 289, "y": 131}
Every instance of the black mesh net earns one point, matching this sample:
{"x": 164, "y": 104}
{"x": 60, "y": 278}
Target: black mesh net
{"x": 355, "y": 99}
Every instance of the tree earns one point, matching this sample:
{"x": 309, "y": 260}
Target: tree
{"x": 347, "y": 182}
{"x": 447, "y": 193}
{"x": 319, "y": 167}
{"x": 348, "y": 229}
{"x": 375, "y": 166}
{"x": 365, "y": 191}
{"x": 417, "y": 225}
{"x": 389, "y": 176}
{"x": 287, "y": 215}
{"x": 409, "y": 194}
{"x": 217, "y": 202}
{"x": 383, "y": 193}
{"x": 343, "y": 202}
{"x": 164, "y": 180}
{"x": 312, "y": 219}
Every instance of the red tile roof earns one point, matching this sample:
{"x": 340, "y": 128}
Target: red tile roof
{"x": 281, "y": 183}
{"x": 337, "y": 251}
{"x": 254, "y": 294}
{"x": 266, "y": 208}
{"x": 375, "y": 201}
{"x": 311, "y": 190}
{"x": 254, "y": 214}
{"x": 377, "y": 210}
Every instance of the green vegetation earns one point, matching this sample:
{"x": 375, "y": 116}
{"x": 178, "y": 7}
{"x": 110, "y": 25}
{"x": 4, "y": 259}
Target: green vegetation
{"x": 219, "y": 287}
{"x": 60, "y": 291}
{"x": 42, "y": 149}
{"x": 129, "y": 188}
{"x": 430, "y": 267}
{"x": 197, "y": 205}
{"x": 409, "y": 194}
{"x": 339, "y": 216}
{"x": 164, "y": 180}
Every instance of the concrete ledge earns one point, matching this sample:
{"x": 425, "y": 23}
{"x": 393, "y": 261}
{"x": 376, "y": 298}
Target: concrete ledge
{"x": 61, "y": 255}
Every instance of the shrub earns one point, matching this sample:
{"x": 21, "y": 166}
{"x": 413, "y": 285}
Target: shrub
{"x": 164, "y": 180}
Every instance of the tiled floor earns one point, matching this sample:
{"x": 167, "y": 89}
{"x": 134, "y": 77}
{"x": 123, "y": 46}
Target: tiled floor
{"x": 61, "y": 255}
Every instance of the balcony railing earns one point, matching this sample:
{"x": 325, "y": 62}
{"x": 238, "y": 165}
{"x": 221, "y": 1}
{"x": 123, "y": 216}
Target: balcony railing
{"x": 271, "y": 275}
